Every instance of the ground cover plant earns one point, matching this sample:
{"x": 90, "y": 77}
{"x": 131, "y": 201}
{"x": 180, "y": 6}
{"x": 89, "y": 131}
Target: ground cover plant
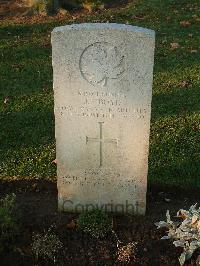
{"x": 95, "y": 222}
{"x": 186, "y": 234}
{"x": 9, "y": 222}
{"x": 27, "y": 150}
{"x": 46, "y": 246}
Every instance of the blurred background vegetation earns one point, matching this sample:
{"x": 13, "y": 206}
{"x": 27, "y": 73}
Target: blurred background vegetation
{"x": 50, "y": 7}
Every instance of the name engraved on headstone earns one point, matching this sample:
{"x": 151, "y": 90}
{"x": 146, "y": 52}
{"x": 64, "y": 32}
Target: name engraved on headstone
{"x": 103, "y": 106}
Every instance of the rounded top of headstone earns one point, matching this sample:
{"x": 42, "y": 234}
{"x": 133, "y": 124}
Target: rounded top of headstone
{"x": 105, "y": 26}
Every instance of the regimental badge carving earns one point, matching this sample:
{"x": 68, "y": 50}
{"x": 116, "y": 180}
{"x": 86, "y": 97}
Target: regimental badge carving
{"x": 100, "y": 62}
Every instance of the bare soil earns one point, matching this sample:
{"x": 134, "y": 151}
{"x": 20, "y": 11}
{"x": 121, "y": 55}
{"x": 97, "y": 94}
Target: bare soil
{"x": 37, "y": 203}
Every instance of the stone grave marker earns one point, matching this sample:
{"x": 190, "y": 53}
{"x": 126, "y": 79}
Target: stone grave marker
{"x": 102, "y": 89}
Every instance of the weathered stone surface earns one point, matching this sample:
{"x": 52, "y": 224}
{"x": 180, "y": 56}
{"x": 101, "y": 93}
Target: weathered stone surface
{"x": 102, "y": 88}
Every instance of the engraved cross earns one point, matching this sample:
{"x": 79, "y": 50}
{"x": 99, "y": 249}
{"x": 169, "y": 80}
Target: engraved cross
{"x": 101, "y": 140}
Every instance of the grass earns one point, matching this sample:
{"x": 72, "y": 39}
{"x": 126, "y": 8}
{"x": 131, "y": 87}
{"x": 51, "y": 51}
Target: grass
{"x": 27, "y": 144}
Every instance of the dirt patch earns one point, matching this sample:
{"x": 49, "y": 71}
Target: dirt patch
{"x": 37, "y": 201}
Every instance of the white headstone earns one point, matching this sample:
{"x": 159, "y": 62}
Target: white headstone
{"x": 103, "y": 90}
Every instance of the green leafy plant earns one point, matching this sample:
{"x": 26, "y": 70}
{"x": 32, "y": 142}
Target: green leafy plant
{"x": 95, "y": 222}
{"x": 46, "y": 246}
{"x": 186, "y": 234}
{"x": 9, "y": 221}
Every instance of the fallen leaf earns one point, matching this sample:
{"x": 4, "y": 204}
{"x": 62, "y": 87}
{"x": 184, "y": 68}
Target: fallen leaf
{"x": 88, "y": 7}
{"x": 194, "y": 219}
{"x": 198, "y": 224}
{"x": 46, "y": 45}
{"x": 24, "y": 251}
{"x": 17, "y": 67}
{"x": 167, "y": 200}
{"x": 71, "y": 225}
{"x": 182, "y": 214}
{"x": 63, "y": 12}
{"x": 193, "y": 51}
{"x": 140, "y": 16}
{"x": 185, "y": 23}
{"x": 194, "y": 16}
{"x": 198, "y": 260}
{"x": 5, "y": 100}
{"x": 174, "y": 45}
{"x": 20, "y": 251}
{"x": 183, "y": 84}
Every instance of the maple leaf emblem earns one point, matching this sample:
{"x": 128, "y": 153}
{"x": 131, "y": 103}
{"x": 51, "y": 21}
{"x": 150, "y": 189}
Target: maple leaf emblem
{"x": 100, "y": 62}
